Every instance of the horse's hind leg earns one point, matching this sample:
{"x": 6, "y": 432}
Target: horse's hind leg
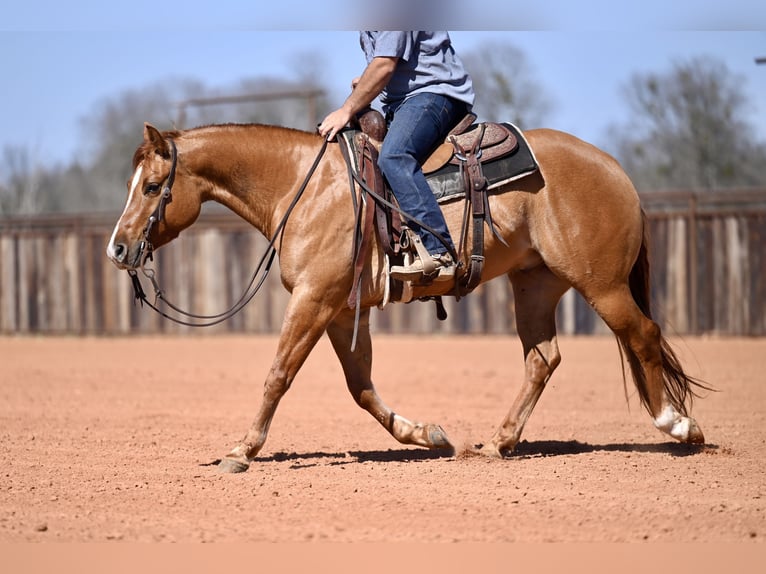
{"x": 662, "y": 385}
{"x": 357, "y": 367}
{"x": 536, "y": 293}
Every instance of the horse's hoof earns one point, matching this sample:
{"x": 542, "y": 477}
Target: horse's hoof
{"x": 490, "y": 451}
{"x": 695, "y": 435}
{"x": 438, "y": 438}
{"x": 231, "y": 466}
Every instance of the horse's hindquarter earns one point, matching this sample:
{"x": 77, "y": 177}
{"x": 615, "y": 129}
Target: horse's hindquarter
{"x": 587, "y": 216}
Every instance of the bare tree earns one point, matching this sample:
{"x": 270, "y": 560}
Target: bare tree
{"x": 689, "y": 130}
{"x": 505, "y": 86}
{"x": 95, "y": 181}
{"x": 20, "y": 182}
{"x": 115, "y": 128}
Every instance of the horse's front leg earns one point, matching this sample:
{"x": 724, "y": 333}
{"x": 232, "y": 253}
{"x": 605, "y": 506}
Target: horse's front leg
{"x": 305, "y": 321}
{"x": 357, "y": 367}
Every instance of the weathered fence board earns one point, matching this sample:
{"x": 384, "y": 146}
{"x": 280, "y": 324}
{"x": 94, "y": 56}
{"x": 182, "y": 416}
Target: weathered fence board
{"x": 706, "y": 251}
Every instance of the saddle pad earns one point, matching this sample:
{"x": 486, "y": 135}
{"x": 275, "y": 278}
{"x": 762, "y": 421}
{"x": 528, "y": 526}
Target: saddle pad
{"x": 447, "y": 183}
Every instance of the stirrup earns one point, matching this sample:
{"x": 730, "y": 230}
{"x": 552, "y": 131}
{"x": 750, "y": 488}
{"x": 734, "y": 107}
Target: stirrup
{"x": 433, "y": 268}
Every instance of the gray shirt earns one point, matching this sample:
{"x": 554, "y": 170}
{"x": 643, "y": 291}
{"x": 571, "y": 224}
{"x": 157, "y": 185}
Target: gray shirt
{"x": 427, "y": 63}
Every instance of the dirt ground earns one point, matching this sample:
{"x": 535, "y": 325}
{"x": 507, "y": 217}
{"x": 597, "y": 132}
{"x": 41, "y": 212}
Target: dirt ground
{"x": 112, "y": 440}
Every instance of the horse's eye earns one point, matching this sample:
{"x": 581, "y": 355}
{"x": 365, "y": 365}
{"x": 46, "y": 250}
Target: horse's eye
{"x": 151, "y": 189}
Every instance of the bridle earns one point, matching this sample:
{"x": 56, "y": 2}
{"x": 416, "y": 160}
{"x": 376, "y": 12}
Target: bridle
{"x": 146, "y": 249}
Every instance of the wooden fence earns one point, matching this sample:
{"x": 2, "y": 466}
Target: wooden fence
{"x": 707, "y": 255}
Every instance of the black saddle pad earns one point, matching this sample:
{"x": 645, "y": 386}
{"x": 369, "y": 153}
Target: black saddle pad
{"x": 446, "y": 183}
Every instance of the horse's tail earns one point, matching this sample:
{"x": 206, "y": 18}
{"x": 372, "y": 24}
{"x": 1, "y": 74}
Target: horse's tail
{"x": 679, "y": 387}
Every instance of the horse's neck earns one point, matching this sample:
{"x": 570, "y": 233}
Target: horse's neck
{"x": 250, "y": 169}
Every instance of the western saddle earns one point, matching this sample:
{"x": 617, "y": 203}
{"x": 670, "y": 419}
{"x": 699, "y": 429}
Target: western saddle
{"x": 467, "y": 145}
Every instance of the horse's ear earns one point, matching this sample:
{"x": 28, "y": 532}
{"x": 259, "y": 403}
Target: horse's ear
{"x": 153, "y": 136}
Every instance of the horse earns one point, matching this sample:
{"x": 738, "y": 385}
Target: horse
{"x": 576, "y": 223}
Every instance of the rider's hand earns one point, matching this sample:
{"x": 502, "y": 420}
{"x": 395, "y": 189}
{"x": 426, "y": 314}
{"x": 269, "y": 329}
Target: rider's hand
{"x": 333, "y": 123}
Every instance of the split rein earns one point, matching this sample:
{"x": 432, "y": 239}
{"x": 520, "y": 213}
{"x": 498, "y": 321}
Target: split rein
{"x": 264, "y": 265}
{"x": 255, "y": 283}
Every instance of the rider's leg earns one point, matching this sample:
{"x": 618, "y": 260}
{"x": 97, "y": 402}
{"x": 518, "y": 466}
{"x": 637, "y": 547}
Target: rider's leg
{"x": 418, "y": 124}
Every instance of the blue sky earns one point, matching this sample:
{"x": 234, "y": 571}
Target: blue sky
{"x": 59, "y": 60}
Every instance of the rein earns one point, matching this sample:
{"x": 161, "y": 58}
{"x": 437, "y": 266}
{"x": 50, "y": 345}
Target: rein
{"x": 254, "y": 285}
{"x": 186, "y": 318}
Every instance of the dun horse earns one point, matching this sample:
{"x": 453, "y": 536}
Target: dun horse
{"x": 575, "y": 224}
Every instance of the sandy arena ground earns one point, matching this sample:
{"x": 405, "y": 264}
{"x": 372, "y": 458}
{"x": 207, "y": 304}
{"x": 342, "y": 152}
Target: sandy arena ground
{"x": 112, "y": 440}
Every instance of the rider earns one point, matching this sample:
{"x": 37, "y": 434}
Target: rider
{"x": 425, "y": 91}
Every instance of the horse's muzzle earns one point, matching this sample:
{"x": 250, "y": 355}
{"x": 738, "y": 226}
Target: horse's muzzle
{"x": 124, "y": 257}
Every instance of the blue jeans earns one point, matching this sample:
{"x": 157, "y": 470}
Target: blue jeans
{"x": 417, "y": 125}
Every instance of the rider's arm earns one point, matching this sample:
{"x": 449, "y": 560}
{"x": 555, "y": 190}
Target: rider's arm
{"x": 375, "y": 77}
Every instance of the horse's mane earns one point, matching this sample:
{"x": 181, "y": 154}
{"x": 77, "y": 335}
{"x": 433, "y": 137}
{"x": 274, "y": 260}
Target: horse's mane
{"x": 145, "y": 148}
{"x": 238, "y": 126}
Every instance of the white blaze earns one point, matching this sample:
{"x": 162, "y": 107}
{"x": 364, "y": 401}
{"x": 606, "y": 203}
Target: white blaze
{"x": 133, "y": 186}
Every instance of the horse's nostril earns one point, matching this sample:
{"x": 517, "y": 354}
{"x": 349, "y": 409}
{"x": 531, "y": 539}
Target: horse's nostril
{"x": 120, "y": 252}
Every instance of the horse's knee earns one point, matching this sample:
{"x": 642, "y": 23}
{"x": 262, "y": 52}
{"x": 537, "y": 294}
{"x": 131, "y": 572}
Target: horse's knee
{"x": 365, "y": 397}
{"x": 276, "y": 385}
{"x": 541, "y": 362}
